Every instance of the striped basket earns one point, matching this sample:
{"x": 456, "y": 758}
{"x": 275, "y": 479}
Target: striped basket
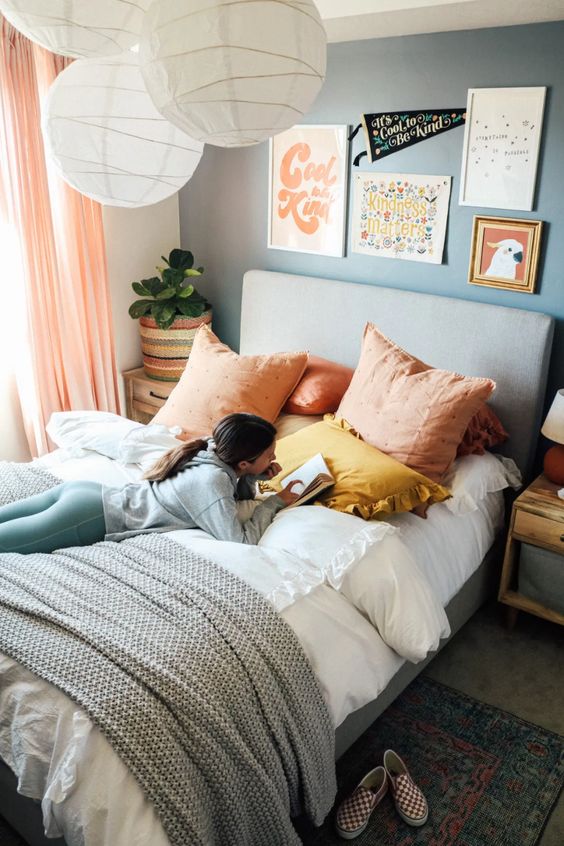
{"x": 166, "y": 351}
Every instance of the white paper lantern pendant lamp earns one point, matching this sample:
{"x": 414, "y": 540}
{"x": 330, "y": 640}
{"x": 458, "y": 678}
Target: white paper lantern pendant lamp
{"x": 78, "y": 28}
{"x": 107, "y": 140}
{"x": 233, "y": 72}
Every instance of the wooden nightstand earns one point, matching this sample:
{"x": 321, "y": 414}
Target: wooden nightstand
{"x": 144, "y": 396}
{"x": 537, "y": 519}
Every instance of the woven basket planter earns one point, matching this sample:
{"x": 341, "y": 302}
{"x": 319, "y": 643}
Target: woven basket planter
{"x": 166, "y": 351}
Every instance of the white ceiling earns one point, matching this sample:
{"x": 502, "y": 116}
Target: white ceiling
{"x": 351, "y": 20}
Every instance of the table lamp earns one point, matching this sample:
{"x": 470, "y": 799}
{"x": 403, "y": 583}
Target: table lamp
{"x": 553, "y": 429}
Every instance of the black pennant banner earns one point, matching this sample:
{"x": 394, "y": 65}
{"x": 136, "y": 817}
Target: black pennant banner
{"x": 388, "y": 132}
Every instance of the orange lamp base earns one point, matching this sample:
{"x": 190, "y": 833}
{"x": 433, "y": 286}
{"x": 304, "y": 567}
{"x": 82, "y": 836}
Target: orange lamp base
{"x": 554, "y": 464}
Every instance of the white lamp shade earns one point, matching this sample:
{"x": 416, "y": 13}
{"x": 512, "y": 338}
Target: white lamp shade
{"x": 106, "y": 139}
{"x": 233, "y": 74}
{"x": 553, "y": 426}
{"x": 78, "y": 28}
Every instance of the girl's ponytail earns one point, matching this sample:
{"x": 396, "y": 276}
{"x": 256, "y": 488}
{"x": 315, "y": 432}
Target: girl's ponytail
{"x": 173, "y": 460}
{"x": 236, "y": 437}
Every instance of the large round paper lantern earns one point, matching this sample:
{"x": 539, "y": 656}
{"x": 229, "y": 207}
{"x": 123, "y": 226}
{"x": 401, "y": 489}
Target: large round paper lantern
{"x": 79, "y": 28}
{"x": 106, "y": 138}
{"x": 234, "y": 73}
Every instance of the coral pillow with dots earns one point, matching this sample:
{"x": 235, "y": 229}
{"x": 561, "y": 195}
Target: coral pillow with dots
{"x": 218, "y": 381}
{"x": 405, "y": 408}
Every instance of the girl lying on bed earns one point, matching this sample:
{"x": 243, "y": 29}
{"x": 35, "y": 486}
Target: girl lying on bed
{"x": 195, "y": 485}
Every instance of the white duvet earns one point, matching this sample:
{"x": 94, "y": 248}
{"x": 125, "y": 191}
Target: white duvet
{"x": 361, "y": 598}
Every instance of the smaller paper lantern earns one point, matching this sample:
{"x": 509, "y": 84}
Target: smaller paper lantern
{"x": 78, "y": 28}
{"x": 106, "y": 138}
{"x": 233, "y": 74}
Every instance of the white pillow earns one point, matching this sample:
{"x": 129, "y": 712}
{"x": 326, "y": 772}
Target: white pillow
{"x": 371, "y": 567}
{"x": 473, "y": 477}
{"x": 389, "y": 589}
{"x": 330, "y": 540}
{"x": 146, "y": 444}
{"x": 111, "y": 435}
{"x": 100, "y": 431}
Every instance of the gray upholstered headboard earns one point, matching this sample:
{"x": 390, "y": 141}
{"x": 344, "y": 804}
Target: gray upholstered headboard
{"x": 511, "y": 346}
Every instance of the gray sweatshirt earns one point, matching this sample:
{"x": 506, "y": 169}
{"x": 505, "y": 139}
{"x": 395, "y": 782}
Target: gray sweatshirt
{"x": 203, "y": 495}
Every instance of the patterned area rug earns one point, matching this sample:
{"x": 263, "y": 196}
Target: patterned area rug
{"x": 490, "y": 778}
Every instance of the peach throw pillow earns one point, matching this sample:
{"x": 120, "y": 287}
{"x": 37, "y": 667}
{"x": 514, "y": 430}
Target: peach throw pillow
{"x": 218, "y": 381}
{"x": 401, "y": 406}
{"x": 321, "y": 388}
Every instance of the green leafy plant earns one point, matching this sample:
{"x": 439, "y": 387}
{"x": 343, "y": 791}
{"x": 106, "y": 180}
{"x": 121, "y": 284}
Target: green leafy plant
{"x": 171, "y": 294}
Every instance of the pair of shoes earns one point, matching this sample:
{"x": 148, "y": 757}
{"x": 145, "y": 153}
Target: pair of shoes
{"x": 354, "y": 813}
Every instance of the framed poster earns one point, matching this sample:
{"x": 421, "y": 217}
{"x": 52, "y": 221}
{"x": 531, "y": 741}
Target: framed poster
{"x": 400, "y": 215}
{"x": 505, "y": 253}
{"x": 308, "y": 189}
{"x": 501, "y": 147}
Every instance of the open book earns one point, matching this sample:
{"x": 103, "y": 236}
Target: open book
{"x": 315, "y": 477}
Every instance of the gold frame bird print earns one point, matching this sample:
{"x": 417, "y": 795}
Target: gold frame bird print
{"x": 505, "y": 253}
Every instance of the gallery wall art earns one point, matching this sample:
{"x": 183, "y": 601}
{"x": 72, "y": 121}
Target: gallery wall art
{"x": 399, "y": 215}
{"x": 501, "y": 147}
{"x": 388, "y": 132}
{"x": 505, "y": 253}
{"x": 308, "y": 189}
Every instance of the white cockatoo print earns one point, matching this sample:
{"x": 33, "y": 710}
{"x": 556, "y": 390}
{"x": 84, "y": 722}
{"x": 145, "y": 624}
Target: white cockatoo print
{"x": 508, "y": 254}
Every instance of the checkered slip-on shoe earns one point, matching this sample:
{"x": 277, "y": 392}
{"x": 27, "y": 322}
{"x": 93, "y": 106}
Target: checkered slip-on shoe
{"x": 410, "y": 803}
{"x": 354, "y": 813}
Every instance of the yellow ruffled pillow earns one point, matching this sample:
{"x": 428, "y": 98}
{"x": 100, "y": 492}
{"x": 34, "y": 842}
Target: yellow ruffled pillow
{"x": 369, "y": 483}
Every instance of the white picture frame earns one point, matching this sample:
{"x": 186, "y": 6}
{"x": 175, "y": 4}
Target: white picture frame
{"x": 501, "y": 147}
{"x": 307, "y": 189}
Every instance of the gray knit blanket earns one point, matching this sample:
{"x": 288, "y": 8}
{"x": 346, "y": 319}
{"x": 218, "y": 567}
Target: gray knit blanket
{"x": 20, "y": 480}
{"x": 197, "y": 683}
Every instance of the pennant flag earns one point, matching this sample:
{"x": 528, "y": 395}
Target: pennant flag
{"x": 388, "y": 132}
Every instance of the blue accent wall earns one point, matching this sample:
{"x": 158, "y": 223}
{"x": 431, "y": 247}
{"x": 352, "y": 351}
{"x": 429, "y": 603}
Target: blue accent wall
{"x": 223, "y": 209}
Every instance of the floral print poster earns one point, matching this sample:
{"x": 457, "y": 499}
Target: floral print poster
{"x": 400, "y": 215}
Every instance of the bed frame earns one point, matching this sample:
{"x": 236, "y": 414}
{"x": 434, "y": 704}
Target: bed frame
{"x": 287, "y": 312}
{"x": 511, "y": 346}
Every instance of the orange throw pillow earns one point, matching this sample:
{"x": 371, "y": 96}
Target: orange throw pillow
{"x": 321, "y": 388}
{"x": 218, "y": 381}
{"x": 404, "y": 408}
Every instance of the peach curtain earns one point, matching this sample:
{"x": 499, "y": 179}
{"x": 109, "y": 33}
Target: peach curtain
{"x": 69, "y": 360}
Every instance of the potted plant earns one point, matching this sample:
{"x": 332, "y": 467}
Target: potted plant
{"x": 170, "y": 312}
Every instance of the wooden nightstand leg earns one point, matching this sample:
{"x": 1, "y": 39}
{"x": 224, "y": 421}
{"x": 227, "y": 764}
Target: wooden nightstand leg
{"x": 129, "y": 410}
{"x": 510, "y": 617}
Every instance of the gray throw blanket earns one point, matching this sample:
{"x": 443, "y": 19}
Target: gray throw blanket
{"x": 200, "y": 687}
{"x": 20, "y": 480}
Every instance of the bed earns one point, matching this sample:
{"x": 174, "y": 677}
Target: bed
{"x": 360, "y": 674}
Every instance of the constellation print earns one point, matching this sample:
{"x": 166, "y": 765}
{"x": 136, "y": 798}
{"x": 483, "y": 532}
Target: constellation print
{"x": 502, "y": 141}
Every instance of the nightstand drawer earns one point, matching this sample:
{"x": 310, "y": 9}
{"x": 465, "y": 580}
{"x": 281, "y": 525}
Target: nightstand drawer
{"x": 532, "y": 527}
{"x": 154, "y": 395}
{"x": 144, "y": 396}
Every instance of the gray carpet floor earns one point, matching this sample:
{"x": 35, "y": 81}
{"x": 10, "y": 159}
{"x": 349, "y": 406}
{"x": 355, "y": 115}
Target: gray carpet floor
{"x": 520, "y": 670}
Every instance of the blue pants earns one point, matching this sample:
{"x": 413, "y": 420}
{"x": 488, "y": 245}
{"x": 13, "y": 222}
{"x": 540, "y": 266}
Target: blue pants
{"x": 70, "y": 514}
